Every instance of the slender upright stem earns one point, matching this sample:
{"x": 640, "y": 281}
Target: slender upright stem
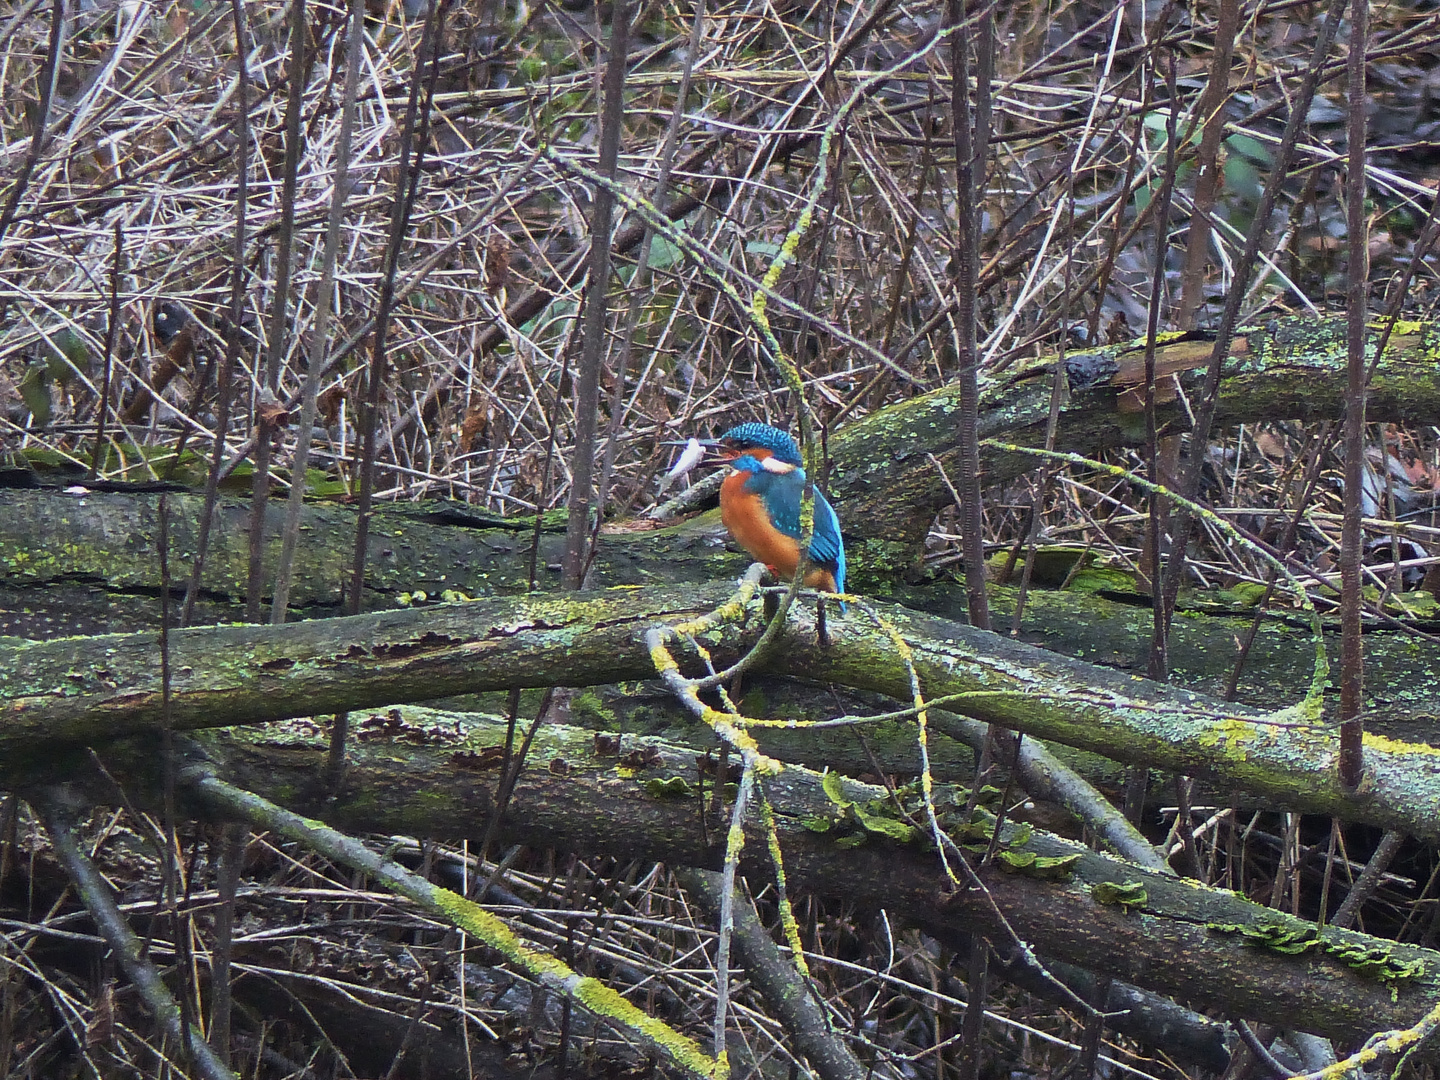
{"x": 265, "y": 422}
{"x": 969, "y": 147}
{"x": 1352, "y": 658}
{"x": 592, "y": 333}
{"x": 324, "y": 298}
{"x": 237, "y": 304}
{"x": 112, "y": 333}
{"x": 1159, "y": 664}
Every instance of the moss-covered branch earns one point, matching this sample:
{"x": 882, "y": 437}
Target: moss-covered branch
{"x": 465, "y": 914}
{"x": 419, "y": 774}
{"x": 888, "y": 491}
{"x": 87, "y": 565}
{"x": 83, "y": 691}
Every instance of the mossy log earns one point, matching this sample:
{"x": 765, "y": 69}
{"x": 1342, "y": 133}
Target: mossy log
{"x": 87, "y": 565}
{"x": 418, "y": 773}
{"x": 887, "y": 490}
{"x": 84, "y": 691}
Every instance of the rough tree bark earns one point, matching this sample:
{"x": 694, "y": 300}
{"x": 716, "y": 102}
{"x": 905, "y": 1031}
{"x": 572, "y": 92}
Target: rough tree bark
{"x": 82, "y": 691}
{"x": 416, "y": 771}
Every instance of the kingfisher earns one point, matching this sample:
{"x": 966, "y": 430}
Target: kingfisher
{"x": 760, "y": 506}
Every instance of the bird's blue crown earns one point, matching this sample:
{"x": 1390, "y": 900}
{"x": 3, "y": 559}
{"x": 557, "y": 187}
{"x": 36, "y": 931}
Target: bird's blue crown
{"x": 756, "y": 436}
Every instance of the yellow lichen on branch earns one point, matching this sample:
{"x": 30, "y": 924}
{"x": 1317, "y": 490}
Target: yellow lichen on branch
{"x": 466, "y": 915}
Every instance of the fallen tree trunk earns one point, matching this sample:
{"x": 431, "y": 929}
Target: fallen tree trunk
{"x": 85, "y": 565}
{"x": 643, "y": 799}
{"x": 85, "y": 691}
{"x": 887, "y": 489}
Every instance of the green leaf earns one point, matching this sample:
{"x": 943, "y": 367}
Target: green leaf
{"x": 1250, "y": 148}
{"x": 67, "y": 348}
{"x": 830, "y": 784}
{"x": 676, "y": 787}
{"x": 885, "y": 826}
{"x": 663, "y": 254}
{"x": 35, "y": 392}
{"x": 1126, "y": 894}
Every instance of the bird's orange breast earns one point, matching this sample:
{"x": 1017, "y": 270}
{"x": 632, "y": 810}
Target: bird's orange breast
{"x": 744, "y": 515}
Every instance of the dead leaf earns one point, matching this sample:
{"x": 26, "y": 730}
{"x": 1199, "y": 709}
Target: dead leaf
{"x": 477, "y": 418}
{"x": 101, "y": 1029}
{"x": 1271, "y": 445}
{"x": 272, "y": 415}
{"x": 328, "y": 403}
{"x": 497, "y": 264}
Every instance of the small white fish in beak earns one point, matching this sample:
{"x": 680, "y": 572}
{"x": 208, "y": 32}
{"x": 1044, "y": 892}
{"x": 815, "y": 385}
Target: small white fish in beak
{"x": 689, "y": 458}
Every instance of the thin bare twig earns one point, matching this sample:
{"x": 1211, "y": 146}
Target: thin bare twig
{"x": 129, "y": 951}
{"x": 1357, "y": 287}
{"x": 592, "y": 341}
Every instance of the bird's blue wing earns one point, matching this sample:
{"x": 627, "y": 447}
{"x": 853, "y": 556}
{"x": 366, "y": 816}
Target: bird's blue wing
{"x": 782, "y": 493}
{"x": 826, "y": 547}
